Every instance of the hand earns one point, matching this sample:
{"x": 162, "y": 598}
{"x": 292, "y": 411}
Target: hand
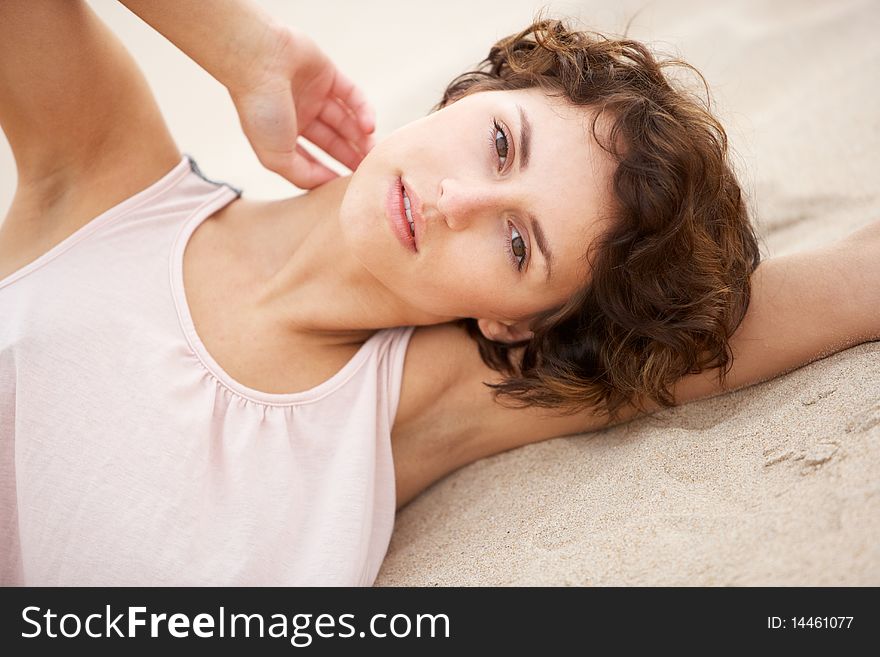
{"x": 301, "y": 93}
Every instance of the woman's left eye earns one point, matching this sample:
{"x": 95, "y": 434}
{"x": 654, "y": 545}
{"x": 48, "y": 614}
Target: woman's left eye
{"x": 500, "y": 143}
{"x": 517, "y": 251}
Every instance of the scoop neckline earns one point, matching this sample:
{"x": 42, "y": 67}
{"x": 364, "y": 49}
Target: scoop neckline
{"x": 337, "y": 380}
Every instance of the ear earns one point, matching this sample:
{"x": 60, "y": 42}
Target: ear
{"x": 501, "y": 332}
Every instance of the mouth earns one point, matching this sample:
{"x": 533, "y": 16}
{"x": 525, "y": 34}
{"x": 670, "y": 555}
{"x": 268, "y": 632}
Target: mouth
{"x": 401, "y": 212}
{"x": 407, "y": 207}
{"x": 412, "y": 211}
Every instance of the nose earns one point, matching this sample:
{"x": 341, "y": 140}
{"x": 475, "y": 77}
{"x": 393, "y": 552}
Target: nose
{"x": 461, "y": 203}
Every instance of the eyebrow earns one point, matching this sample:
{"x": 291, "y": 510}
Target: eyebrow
{"x": 525, "y": 138}
{"x": 525, "y": 144}
{"x": 543, "y": 246}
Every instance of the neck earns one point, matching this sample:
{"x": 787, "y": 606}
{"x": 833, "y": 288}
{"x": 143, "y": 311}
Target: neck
{"x": 320, "y": 289}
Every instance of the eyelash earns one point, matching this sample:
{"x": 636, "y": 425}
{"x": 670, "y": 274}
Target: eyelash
{"x": 493, "y": 143}
{"x": 514, "y": 259}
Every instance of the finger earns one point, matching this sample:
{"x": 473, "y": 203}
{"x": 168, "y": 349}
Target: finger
{"x": 352, "y": 97}
{"x": 323, "y": 136}
{"x": 340, "y": 121}
{"x": 306, "y": 172}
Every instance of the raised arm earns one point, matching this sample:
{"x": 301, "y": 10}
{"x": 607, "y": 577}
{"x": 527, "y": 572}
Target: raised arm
{"x": 804, "y": 306}
{"x": 282, "y": 84}
{"x": 230, "y": 39}
{"x": 80, "y": 119}
{"x": 73, "y": 105}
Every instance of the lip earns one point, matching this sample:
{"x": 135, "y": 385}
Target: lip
{"x": 397, "y": 215}
{"x": 415, "y": 208}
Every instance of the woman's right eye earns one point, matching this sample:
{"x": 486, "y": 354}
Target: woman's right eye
{"x": 500, "y": 143}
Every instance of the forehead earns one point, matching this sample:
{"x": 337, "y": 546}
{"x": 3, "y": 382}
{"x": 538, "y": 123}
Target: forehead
{"x": 567, "y": 184}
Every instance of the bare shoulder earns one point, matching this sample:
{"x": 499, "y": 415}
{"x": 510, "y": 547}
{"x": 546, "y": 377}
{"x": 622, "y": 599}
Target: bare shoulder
{"x": 448, "y": 418}
{"x": 434, "y": 361}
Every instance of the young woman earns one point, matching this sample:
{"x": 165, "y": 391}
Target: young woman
{"x": 196, "y": 388}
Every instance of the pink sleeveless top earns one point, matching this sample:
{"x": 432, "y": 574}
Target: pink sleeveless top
{"x": 129, "y": 457}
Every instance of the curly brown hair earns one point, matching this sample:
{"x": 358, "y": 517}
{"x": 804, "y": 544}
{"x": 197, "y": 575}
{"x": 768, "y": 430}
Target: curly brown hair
{"x": 669, "y": 280}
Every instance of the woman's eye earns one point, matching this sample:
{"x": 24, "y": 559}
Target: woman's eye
{"x": 517, "y": 249}
{"x": 500, "y": 143}
{"x": 518, "y": 244}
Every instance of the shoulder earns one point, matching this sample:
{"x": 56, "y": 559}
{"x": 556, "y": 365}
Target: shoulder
{"x": 427, "y": 429}
{"x": 436, "y": 359}
{"x": 447, "y": 417}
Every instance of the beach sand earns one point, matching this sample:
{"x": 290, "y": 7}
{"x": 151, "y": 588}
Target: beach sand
{"x": 775, "y": 484}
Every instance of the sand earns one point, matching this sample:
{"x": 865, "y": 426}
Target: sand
{"x": 771, "y": 485}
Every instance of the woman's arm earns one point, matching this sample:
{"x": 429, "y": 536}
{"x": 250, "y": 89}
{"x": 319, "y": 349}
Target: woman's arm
{"x": 282, "y": 84}
{"x": 74, "y": 106}
{"x": 233, "y": 40}
{"x": 804, "y": 306}
{"x": 82, "y": 123}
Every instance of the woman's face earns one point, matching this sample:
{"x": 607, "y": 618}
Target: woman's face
{"x": 491, "y": 179}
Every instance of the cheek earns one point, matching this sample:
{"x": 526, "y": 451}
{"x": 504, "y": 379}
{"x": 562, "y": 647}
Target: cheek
{"x": 450, "y": 285}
